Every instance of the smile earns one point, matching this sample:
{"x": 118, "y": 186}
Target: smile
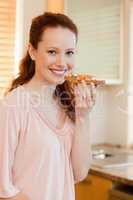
{"x": 58, "y": 71}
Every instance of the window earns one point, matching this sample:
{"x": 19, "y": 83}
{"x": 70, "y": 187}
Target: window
{"x": 7, "y": 41}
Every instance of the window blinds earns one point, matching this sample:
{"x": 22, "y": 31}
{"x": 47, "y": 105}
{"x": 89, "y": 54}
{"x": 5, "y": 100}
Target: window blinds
{"x": 7, "y": 40}
{"x": 99, "y": 24}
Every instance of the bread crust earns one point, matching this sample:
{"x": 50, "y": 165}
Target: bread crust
{"x": 75, "y": 79}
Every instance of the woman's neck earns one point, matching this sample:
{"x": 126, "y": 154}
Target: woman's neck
{"x": 41, "y": 89}
{"x": 50, "y": 104}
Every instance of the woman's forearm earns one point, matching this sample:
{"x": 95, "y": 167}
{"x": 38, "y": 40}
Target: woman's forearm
{"x": 81, "y": 149}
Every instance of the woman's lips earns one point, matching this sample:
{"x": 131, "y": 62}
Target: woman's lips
{"x": 58, "y": 71}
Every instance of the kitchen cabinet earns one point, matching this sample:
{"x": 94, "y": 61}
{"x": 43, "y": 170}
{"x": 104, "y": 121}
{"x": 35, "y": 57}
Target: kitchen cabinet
{"x": 108, "y": 183}
{"x": 103, "y": 37}
{"x": 93, "y": 188}
{"x": 123, "y": 192}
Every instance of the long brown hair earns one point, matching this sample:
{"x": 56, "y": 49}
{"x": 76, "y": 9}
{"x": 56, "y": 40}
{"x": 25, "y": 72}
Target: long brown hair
{"x": 27, "y": 65}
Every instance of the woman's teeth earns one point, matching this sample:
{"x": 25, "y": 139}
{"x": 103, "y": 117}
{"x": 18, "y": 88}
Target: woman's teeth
{"x": 58, "y": 72}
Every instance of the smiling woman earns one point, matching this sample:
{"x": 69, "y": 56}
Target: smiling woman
{"x": 7, "y": 40}
{"x": 45, "y": 146}
{"x": 53, "y": 57}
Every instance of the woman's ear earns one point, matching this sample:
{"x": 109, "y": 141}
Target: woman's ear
{"x": 31, "y": 51}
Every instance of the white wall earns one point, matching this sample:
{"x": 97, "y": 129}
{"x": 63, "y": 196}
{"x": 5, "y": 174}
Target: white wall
{"x": 130, "y": 87}
{"x": 109, "y": 119}
{"x": 26, "y": 10}
{"x": 32, "y": 8}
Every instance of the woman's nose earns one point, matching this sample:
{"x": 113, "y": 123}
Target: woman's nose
{"x": 60, "y": 60}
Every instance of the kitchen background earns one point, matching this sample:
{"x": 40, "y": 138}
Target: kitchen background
{"x": 111, "y": 121}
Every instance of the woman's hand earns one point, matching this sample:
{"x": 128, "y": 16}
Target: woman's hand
{"x": 85, "y": 96}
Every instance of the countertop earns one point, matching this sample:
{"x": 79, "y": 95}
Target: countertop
{"x": 122, "y": 174}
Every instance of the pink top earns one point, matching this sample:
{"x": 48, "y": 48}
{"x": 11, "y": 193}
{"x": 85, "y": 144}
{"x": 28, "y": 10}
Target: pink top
{"x": 34, "y": 155}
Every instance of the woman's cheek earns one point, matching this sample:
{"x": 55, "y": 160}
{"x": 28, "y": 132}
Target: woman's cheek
{"x": 71, "y": 65}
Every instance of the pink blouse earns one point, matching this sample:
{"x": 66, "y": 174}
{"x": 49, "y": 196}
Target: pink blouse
{"x": 34, "y": 155}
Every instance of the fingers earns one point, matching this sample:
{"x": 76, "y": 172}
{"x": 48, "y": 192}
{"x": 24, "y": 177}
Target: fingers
{"x": 78, "y": 97}
{"x": 85, "y": 95}
{"x": 93, "y": 92}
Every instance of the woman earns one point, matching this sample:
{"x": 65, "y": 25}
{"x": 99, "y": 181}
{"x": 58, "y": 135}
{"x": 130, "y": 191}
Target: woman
{"x": 44, "y": 133}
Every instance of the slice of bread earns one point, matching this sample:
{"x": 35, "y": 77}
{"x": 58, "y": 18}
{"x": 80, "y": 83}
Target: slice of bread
{"x": 75, "y": 79}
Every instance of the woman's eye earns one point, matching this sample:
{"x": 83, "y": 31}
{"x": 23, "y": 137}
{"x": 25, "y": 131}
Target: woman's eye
{"x": 52, "y": 52}
{"x": 70, "y": 53}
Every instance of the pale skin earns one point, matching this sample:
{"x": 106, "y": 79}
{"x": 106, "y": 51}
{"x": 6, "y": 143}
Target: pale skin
{"x": 57, "y": 50}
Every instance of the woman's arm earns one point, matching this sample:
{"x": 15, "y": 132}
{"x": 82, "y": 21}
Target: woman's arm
{"x": 9, "y": 135}
{"x": 81, "y": 147}
{"x": 81, "y": 150}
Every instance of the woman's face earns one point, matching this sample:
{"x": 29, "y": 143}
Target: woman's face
{"x": 54, "y": 56}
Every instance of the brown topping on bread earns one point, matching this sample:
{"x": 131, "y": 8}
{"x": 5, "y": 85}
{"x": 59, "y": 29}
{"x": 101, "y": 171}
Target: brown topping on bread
{"x": 78, "y": 78}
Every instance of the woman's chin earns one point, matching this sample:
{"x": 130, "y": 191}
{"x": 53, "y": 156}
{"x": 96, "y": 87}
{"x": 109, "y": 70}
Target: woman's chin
{"x": 56, "y": 81}
{"x": 59, "y": 82}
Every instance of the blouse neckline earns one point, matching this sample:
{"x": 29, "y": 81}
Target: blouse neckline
{"x": 60, "y": 131}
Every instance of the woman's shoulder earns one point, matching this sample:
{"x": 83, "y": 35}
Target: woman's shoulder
{"x": 16, "y": 99}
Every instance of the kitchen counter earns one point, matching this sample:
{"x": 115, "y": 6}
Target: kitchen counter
{"x": 119, "y": 174}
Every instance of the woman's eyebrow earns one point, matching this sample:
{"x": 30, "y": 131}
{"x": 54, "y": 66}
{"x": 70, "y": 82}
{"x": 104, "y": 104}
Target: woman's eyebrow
{"x": 70, "y": 49}
{"x": 53, "y": 47}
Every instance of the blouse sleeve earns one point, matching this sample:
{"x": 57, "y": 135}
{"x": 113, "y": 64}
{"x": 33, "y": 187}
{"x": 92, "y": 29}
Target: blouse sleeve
{"x": 9, "y": 129}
